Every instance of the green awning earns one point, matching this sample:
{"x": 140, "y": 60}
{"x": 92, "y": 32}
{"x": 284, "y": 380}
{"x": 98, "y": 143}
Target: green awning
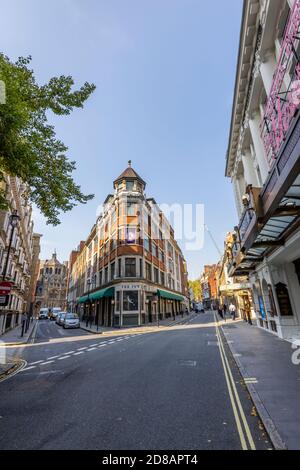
{"x": 169, "y": 295}
{"x": 99, "y": 294}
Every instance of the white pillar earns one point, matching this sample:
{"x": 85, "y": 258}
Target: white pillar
{"x": 267, "y": 69}
{"x": 237, "y": 196}
{"x": 249, "y": 169}
{"x": 254, "y": 125}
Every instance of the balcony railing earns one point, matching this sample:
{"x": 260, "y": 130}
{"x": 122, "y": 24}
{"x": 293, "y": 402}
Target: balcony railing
{"x": 284, "y": 97}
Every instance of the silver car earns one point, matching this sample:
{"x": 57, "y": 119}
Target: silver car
{"x": 60, "y": 318}
{"x": 71, "y": 320}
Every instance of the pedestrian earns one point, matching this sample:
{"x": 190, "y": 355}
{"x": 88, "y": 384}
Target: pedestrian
{"x": 232, "y": 310}
{"x": 220, "y": 312}
{"x": 23, "y": 323}
{"x": 248, "y": 315}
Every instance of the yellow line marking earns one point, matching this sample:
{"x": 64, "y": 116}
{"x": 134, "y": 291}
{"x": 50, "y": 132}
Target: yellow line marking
{"x": 234, "y": 408}
{"x": 244, "y": 420}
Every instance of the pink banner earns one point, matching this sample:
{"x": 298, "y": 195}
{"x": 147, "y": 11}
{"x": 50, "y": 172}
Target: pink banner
{"x": 284, "y": 97}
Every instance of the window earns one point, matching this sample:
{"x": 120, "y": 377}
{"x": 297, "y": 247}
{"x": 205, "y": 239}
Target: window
{"x": 161, "y": 256}
{"x": 106, "y": 275}
{"x": 112, "y": 271}
{"x": 129, "y": 185}
{"x": 117, "y": 301}
{"x": 119, "y": 267}
{"x": 154, "y": 250}
{"x": 130, "y": 235}
{"x": 130, "y": 267}
{"x": 162, "y": 278}
{"x": 130, "y": 300}
{"x": 141, "y": 268}
{"x": 148, "y": 272}
{"x": 131, "y": 209}
{"x": 100, "y": 278}
{"x": 146, "y": 243}
{"x": 155, "y": 272}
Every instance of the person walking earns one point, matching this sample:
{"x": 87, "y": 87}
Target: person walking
{"x": 232, "y": 310}
{"x": 220, "y": 312}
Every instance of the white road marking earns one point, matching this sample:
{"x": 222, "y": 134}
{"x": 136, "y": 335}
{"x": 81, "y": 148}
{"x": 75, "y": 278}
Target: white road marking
{"x": 93, "y": 345}
{"x": 91, "y": 349}
{"x": 101, "y": 345}
{"x": 81, "y": 349}
{"x": 52, "y": 357}
{"x": 69, "y": 352}
{"x": 76, "y": 354}
{"x": 27, "y": 368}
{"x": 45, "y": 363}
{"x": 36, "y": 362}
{"x": 63, "y": 357}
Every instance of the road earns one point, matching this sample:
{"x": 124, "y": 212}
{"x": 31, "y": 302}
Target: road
{"x": 174, "y": 388}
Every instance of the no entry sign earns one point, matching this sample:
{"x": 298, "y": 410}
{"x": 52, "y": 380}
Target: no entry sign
{"x": 5, "y": 287}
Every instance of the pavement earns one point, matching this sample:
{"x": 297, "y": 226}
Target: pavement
{"x": 8, "y": 362}
{"x": 174, "y": 388}
{"x": 272, "y": 378}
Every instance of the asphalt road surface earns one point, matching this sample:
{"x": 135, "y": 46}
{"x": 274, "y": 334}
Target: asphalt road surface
{"x": 174, "y": 388}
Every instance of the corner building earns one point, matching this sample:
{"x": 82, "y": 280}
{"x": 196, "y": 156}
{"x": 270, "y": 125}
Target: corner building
{"x": 130, "y": 270}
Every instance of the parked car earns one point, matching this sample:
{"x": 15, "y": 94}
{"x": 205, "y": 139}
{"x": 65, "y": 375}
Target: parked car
{"x": 54, "y": 312}
{"x": 60, "y": 318}
{"x": 71, "y": 320}
{"x": 43, "y": 314}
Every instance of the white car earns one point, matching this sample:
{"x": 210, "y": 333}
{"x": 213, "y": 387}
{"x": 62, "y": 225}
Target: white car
{"x": 43, "y": 315}
{"x": 71, "y": 320}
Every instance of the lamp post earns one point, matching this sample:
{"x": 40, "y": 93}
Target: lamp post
{"x": 89, "y": 303}
{"x": 13, "y": 222}
{"x": 113, "y": 312}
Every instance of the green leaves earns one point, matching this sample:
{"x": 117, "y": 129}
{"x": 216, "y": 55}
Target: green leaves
{"x": 29, "y": 147}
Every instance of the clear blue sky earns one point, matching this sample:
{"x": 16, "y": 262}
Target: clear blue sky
{"x": 164, "y": 71}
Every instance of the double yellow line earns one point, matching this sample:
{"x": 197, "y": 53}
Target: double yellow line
{"x": 244, "y": 432}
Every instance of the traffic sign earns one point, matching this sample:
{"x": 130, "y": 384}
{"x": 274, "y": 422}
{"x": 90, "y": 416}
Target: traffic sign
{"x": 5, "y": 287}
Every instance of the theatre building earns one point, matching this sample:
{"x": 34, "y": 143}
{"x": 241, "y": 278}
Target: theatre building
{"x": 263, "y": 162}
{"x": 130, "y": 270}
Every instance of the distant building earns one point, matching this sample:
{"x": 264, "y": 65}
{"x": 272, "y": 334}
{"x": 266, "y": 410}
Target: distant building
{"x": 209, "y": 287}
{"x": 51, "y": 290}
{"x": 130, "y": 270}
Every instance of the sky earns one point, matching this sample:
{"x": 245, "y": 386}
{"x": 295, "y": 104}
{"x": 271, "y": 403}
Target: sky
{"x": 164, "y": 72}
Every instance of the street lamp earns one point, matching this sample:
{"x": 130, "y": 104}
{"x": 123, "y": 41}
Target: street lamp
{"x": 113, "y": 312}
{"x": 13, "y": 222}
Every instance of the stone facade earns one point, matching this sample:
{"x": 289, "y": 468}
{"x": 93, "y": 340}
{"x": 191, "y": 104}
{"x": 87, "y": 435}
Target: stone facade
{"x": 51, "y": 288}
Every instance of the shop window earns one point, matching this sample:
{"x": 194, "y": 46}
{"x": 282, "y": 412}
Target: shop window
{"x": 297, "y": 268}
{"x": 284, "y": 300}
{"x": 130, "y": 300}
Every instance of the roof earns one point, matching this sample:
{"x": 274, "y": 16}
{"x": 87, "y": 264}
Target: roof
{"x": 129, "y": 173}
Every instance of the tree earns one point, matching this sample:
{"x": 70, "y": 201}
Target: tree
{"x": 196, "y": 288}
{"x": 29, "y": 148}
